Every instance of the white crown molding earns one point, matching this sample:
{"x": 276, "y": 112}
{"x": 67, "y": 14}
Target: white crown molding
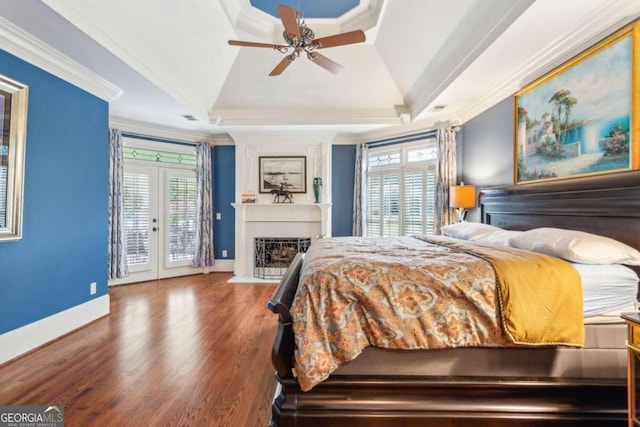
{"x": 307, "y": 116}
{"x": 364, "y": 19}
{"x": 158, "y": 131}
{"x": 30, "y": 49}
{"x": 248, "y": 19}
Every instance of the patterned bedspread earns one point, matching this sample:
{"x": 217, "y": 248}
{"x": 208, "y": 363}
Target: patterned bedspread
{"x": 400, "y": 293}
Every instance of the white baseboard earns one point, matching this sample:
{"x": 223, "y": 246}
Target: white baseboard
{"x": 221, "y": 265}
{"x": 28, "y": 337}
{"x": 251, "y": 279}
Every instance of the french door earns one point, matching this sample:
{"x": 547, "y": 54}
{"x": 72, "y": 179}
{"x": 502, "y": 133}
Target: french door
{"x": 159, "y": 221}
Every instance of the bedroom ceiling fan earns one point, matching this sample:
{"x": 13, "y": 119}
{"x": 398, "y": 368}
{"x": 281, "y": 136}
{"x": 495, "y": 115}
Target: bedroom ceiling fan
{"x": 301, "y": 39}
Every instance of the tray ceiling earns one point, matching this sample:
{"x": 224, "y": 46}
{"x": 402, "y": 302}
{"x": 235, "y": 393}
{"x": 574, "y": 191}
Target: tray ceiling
{"x": 423, "y": 63}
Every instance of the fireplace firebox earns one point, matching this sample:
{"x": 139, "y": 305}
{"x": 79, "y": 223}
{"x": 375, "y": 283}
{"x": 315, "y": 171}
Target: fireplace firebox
{"x": 272, "y": 255}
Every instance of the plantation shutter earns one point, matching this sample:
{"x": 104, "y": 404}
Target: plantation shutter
{"x": 182, "y": 217}
{"x": 374, "y": 204}
{"x": 136, "y": 217}
{"x": 391, "y": 204}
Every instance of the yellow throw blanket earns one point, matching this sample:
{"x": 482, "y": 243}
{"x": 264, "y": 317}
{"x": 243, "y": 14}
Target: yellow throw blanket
{"x": 540, "y": 296}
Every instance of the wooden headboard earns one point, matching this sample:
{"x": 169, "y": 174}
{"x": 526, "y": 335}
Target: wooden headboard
{"x": 608, "y": 205}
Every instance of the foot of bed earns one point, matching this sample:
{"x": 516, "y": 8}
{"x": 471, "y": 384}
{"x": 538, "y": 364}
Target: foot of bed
{"x": 348, "y": 402}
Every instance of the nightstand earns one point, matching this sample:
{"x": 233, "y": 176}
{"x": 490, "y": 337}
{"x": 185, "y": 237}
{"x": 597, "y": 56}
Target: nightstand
{"x": 633, "y": 365}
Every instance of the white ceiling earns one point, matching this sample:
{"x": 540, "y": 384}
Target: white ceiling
{"x": 157, "y": 60}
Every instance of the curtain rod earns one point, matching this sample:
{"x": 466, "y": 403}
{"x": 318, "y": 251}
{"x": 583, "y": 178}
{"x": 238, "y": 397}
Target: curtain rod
{"x": 414, "y": 136}
{"x": 402, "y": 139}
{"x": 157, "y": 139}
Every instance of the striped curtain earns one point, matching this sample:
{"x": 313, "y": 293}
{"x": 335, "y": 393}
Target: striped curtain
{"x": 446, "y": 176}
{"x": 360, "y": 191}
{"x": 204, "y": 256}
{"x": 117, "y": 262}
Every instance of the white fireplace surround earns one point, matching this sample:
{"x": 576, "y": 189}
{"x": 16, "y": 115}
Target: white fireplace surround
{"x": 301, "y": 219}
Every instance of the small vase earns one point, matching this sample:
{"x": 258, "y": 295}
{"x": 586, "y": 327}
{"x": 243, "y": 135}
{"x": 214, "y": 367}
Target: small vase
{"x": 317, "y": 189}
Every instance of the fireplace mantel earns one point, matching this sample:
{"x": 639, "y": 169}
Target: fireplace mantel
{"x": 276, "y": 212}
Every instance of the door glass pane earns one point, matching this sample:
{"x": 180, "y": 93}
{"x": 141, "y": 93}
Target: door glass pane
{"x": 136, "y": 217}
{"x": 182, "y": 218}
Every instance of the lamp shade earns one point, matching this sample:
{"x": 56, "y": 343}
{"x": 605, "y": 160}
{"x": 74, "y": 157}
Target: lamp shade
{"x": 462, "y": 196}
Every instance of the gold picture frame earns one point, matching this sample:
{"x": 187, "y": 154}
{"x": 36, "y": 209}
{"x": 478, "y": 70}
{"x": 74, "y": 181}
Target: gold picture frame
{"x": 581, "y": 118}
{"x": 13, "y": 138}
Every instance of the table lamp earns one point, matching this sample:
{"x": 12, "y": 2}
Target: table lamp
{"x": 462, "y": 197}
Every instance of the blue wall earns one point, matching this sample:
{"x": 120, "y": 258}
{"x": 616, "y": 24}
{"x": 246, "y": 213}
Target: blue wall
{"x": 486, "y": 146}
{"x": 343, "y": 167}
{"x": 223, "y": 175}
{"x": 64, "y": 239}
{"x": 485, "y": 150}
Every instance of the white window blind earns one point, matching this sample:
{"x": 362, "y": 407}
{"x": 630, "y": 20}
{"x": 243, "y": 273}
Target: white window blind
{"x": 400, "y": 190}
{"x": 136, "y": 217}
{"x": 182, "y": 218}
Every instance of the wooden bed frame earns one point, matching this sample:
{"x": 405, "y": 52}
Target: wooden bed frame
{"x": 608, "y": 205}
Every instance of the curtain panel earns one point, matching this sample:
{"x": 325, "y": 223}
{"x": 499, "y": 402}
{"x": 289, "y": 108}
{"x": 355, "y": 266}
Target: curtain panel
{"x": 446, "y": 175}
{"x": 117, "y": 256}
{"x": 360, "y": 191}
{"x": 204, "y": 255}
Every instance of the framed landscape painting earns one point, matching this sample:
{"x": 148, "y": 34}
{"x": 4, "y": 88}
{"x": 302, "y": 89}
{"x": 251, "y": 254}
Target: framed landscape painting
{"x": 579, "y": 119}
{"x": 283, "y": 172}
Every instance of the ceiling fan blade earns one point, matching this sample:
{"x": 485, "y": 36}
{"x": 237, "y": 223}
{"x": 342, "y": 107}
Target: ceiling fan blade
{"x": 282, "y": 65}
{"x": 253, "y": 44}
{"x": 351, "y": 37}
{"x": 325, "y": 62}
{"x": 289, "y": 20}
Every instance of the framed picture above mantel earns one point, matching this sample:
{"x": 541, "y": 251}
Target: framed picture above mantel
{"x": 582, "y": 119}
{"x": 283, "y": 173}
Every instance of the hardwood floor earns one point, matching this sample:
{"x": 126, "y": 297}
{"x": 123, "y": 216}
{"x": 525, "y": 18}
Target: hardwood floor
{"x": 190, "y": 351}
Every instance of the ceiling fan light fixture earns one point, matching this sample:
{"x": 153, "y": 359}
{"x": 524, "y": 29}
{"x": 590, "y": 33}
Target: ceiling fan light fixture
{"x": 301, "y": 38}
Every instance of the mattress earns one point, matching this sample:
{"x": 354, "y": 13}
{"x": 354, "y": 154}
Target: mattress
{"x": 603, "y": 356}
{"x": 607, "y": 289}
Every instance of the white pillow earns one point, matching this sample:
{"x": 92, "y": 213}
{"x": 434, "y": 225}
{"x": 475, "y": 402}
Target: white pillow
{"x": 477, "y": 232}
{"x": 498, "y": 238}
{"x": 468, "y": 230}
{"x": 576, "y": 246}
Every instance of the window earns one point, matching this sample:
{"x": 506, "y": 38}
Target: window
{"x": 400, "y": 189}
